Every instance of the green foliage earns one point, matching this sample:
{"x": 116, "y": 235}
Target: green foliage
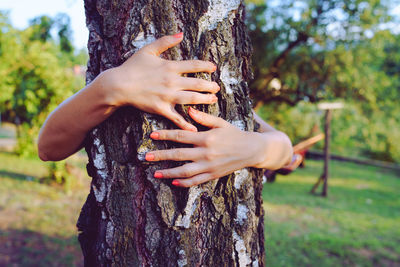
{"x": 36, "y": 74}
{"x": 58, "y": 173}
{"x": 311, "y": 51}
{"x": 355, "y": 132}
{"x": 316, "y": 49}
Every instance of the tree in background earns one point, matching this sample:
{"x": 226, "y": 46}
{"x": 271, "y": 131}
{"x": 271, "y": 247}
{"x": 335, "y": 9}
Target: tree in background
{"x": 309, "y": 51}
{"x": 36, "y": 74}
{"x": 132, "y": 219}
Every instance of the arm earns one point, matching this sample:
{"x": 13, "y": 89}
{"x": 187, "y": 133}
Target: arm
{"x": 221, "y": 150}
{"x": 145, "y": 81}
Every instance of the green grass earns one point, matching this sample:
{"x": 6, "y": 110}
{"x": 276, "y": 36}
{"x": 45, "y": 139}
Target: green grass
{"x": 37, "y": 221}
{"x": 357, "y": 225}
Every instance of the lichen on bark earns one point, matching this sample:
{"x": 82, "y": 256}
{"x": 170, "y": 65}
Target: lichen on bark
{"x": 132, "y": 219}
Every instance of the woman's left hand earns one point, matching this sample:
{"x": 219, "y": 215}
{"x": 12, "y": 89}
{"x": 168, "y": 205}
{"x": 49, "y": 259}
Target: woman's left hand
{"x": 217, "y": 152}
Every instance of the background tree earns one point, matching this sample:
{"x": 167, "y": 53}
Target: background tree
{"x": 132, "y": 219}
{"x": 37, "y": 74}
{"x": 309, "y": 51}
{"x": 304, "y": 45}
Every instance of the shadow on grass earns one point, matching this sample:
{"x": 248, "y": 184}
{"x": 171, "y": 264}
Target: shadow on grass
{"x": 27, "y": 248}
{"x": 16, "y": 176}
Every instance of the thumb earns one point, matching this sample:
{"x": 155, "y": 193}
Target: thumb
{"x": 176, "y": 118}
{"x": 161, "y": 45}
{"x": 207, "y": 120}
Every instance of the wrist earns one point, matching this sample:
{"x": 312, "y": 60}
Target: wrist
{"x": 258, "y": 148}
{"x": 109, "y": 89}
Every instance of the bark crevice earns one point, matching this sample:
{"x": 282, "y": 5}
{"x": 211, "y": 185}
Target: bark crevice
{"x": 132, "y": 219}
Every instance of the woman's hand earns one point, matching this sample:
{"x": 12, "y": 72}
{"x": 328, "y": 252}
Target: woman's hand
{"x": 217, "y": 152}
{"x": 145, "y": 81}
{"x": 155, "y": 85}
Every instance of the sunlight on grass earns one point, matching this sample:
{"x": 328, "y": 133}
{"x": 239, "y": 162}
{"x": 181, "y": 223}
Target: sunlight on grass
{"x": 37, "y": 221}
{"x": 356, "y": 225}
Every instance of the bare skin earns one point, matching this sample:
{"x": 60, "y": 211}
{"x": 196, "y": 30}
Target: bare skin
{"x": 161, "y": 86}
{"x": 220, "y": 151}
{"x": 216, "y": 152}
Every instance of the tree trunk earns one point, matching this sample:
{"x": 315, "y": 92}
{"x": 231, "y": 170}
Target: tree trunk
{"x": 132, "y": 219}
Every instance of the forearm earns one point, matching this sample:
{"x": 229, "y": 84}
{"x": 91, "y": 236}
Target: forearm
{"x": 274, "y": 148}
{"x": 66, "y": 127}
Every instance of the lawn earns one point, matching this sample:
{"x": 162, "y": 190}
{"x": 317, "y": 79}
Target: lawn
{"x": 357, "y": 225}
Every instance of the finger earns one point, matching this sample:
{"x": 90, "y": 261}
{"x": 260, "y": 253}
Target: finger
{"x": 199, "y": 85}
{"x": 195, "y": 180}
{"x": 184, "y": 171}
{"x": 195, "y": 98}
{"x": 179, "y": 136}
{"x": 207, "y": 119}
{"x": 160, "y": 45}
{"x": 176, "y": 118}
{"x": 193, "y": 66}
{"x": 179, "y": 154}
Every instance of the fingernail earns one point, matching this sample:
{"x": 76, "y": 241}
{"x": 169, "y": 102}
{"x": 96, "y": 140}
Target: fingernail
{"x": 154, "y": 135}
{"x": 178, "y": 35}
{"x": 158, "y": 175}
{"x": 214, "y": 68}
{"x": 214, "y": 99}
{"x": 149, "y": 157}
{"x": 193, "y": 129}
{"x": 176, "y": 183}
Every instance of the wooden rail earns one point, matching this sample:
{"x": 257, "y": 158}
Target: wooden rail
{"x": 376, "y": 163}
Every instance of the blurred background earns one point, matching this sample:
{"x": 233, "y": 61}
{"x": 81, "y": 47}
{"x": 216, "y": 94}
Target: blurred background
{"x": 305, "y": 53}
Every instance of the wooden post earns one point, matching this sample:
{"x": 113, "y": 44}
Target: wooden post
{"x": 328, "y": 118}
{"x": 328, "y": 107}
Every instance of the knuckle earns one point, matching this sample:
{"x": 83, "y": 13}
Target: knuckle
{"x": 213, "y": 170}
{"x": 166, "y": 40}
{"x": 210, "y": 156}
{"x": 197, "y": 64}
{"x": 178, "y": 154}
{"x": 169, "y": 66}
{"x": 180, "y": 135}
{"x": 198, "y": 84}
{"x": 194, "y": 98}
{"x": 209, "y": 141}
{"x": 191, "y": 183}
{"x": 160, "y": 155}
{"x": 187, "y": 183}
{"x": 185, "y": 173}
{"x": 166, "y": 96}
{"x": 168, "y": 81}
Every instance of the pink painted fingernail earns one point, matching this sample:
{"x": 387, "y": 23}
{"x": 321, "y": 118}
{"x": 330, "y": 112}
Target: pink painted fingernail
{"x": 178, "y": 35}
{"x": 176, "y": 183}
{"x": 158, "y": 175}
{"x": 149, "y": 157}
{"x": 214, "y": 99}
{"x": 154, "y": 135}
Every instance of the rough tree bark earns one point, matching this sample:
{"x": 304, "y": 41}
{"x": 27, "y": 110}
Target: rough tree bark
{"x": 132, "y": 219}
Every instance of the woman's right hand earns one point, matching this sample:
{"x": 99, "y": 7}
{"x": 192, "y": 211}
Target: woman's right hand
{"x": 155, "y": 85}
